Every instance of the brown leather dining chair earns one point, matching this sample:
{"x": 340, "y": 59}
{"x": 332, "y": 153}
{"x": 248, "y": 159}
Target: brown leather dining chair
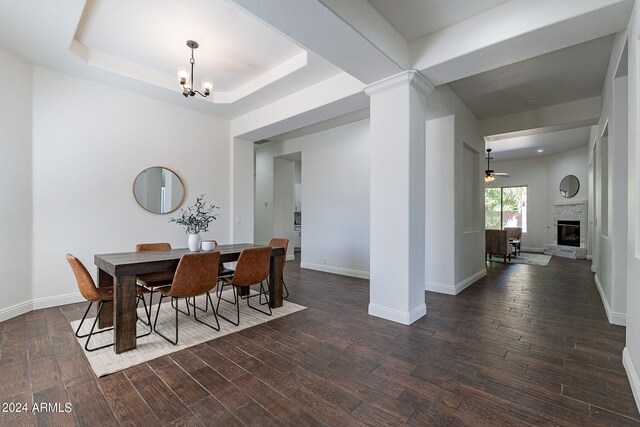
{"x": 252, "y": 269}
{"x": 197, "y": 274}
{"x": 91, "y": 293}
{"x": 281, "y": 243}
{"x": 151, "y": 281}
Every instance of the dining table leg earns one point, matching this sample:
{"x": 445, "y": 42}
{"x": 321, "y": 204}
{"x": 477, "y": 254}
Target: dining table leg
{"x": 275, "y": 280}
{"x": 124, "y": 313}
{"x": 106, "y": 315}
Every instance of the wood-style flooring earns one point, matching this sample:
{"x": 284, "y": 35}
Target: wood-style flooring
{"x": 525, "y": 345}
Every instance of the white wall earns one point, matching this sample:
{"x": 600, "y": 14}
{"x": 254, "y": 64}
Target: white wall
{"x": 440, "y": 207}
{"x": 16, "y": 189}
{"x": 89, "y": 143}
{"x": 335, "y": 197}
{"x": 283, "y": 204}
{"x": 542, "y": 177}
{"x": 631, "y": 354}
{"x": 242, "y": 163}
{"x": 611, "y": 188}
{"x": 446, "y": 169}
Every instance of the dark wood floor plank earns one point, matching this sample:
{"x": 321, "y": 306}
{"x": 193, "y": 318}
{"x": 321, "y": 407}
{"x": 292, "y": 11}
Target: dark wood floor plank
{"x": 75, "y": 369}
{"x": 14, "y": 349}
{"x": 90, "y": 406}
{"x": 14, "y": 378}
{"x": 181, "y": 383}
{"x": 615, "y": 402}
{"x": 252, "y": 414}
{"x": 221, "y": 388}
{"x": 188, "y": 360}
{"x": 18, "y": 412}
{"x": 164, "y": 404}
{"x": 54, "y": 395}
{"x": 213, "y": 413}
{"x": 188, "y": 420}
{"x": 39, "y": 346}
{"x": 280, "y": 406}
{"x": 128, "y": 406}
{"x": 44, "y": 373}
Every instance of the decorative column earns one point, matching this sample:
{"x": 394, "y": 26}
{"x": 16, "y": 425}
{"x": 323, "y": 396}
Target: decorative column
{"x": 397, "y": 206}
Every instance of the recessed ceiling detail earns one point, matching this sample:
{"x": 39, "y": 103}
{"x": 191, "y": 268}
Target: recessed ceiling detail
{"x": 238, "y": 52}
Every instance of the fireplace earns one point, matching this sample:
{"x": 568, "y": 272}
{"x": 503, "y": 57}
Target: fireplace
{"x": 569, "y": 233}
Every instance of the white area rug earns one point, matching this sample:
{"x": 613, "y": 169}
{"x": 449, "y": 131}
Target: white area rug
{"x": 540, "y": 260}
{"x": 106, "y": 361}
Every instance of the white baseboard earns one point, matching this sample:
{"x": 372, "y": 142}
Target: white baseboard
{"x": 589, "y": 256}
{"x": 593, "y": 268}
{"x": 632, "y": 375}
{"x": 38, "y": 303}
{"x": 440, "y": 288}
{"x": 54, "y": 301}
{"x": 531, "y": 249}
{"x": 336, "y": 270}
{"x": 15, "y": 310}
{"x": 290, "y": 257}
{"x": 470, "y": 280}
{"x": 454, "y": 289}
{"x": 614, "y": 317}
{"x": 398, "y": 316}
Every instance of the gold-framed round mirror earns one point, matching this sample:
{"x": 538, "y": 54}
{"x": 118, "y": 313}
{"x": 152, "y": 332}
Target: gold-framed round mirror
{"x": 158, "y": 190}
{"x": 569, "y": 186}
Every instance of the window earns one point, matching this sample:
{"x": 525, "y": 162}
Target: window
{"x": 505, "y": 207}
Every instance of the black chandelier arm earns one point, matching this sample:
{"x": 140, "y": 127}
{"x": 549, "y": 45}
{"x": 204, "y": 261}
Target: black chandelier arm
{"x": 193, "y": 92}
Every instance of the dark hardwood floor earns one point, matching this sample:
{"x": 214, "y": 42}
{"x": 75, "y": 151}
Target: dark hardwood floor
{"x": 525, "y": 345}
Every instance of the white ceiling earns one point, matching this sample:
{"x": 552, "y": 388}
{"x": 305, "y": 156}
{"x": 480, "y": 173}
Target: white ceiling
{"x": 414, "y": 19}
{"x": 523, "y": 147}
{"x": 138, "y": 46}
{"x": 234, "y": 47}
{"x": 565, "y": 75}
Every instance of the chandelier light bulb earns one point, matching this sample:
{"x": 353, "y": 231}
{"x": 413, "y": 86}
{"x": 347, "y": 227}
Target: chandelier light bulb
{"x": 207, "y": 86}
{"x": 183, "y": 75}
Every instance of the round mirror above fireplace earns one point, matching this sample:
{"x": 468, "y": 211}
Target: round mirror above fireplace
{"x": 569, "y": 186}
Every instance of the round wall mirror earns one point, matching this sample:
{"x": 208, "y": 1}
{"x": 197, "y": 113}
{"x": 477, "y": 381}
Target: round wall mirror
{"x": 569, "y": 186}
{"x": 158, "y": 190}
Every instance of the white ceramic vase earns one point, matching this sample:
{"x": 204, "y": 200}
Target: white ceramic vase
{"x": 194, "y": 242}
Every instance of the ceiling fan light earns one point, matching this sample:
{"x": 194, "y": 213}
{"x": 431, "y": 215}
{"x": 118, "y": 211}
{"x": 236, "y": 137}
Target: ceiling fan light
{"x": 489, "y": 178}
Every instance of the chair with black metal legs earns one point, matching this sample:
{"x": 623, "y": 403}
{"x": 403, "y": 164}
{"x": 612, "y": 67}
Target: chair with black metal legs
{"x": 252, "y": 269}
{"x": 91, "y": 293}
{"x": 158, "y": 279}
{"x": 281, "y": 243}
{"x": 197, "y": 274}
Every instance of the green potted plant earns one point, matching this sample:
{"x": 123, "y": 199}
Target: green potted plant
{"x": 196, "y": 219}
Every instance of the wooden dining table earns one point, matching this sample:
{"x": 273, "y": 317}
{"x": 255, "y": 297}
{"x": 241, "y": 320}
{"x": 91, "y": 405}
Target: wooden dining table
{"x": 121, "y": 269}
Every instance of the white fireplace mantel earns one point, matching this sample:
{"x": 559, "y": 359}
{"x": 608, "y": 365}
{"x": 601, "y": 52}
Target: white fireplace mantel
{"x": 570, "y": 202}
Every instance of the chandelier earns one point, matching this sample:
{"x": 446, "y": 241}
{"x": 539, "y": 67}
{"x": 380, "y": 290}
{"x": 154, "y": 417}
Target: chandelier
{"x": 186, "y": 81}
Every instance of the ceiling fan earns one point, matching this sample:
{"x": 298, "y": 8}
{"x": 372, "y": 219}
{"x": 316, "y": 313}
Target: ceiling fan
{"x": 489, "y": 174}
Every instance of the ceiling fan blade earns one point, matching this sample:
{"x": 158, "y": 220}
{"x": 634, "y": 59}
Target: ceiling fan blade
{"x": 501, "y": 174}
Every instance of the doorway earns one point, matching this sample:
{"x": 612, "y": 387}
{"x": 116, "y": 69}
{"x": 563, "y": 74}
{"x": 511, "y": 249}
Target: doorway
{"x": 287, "y": 201}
